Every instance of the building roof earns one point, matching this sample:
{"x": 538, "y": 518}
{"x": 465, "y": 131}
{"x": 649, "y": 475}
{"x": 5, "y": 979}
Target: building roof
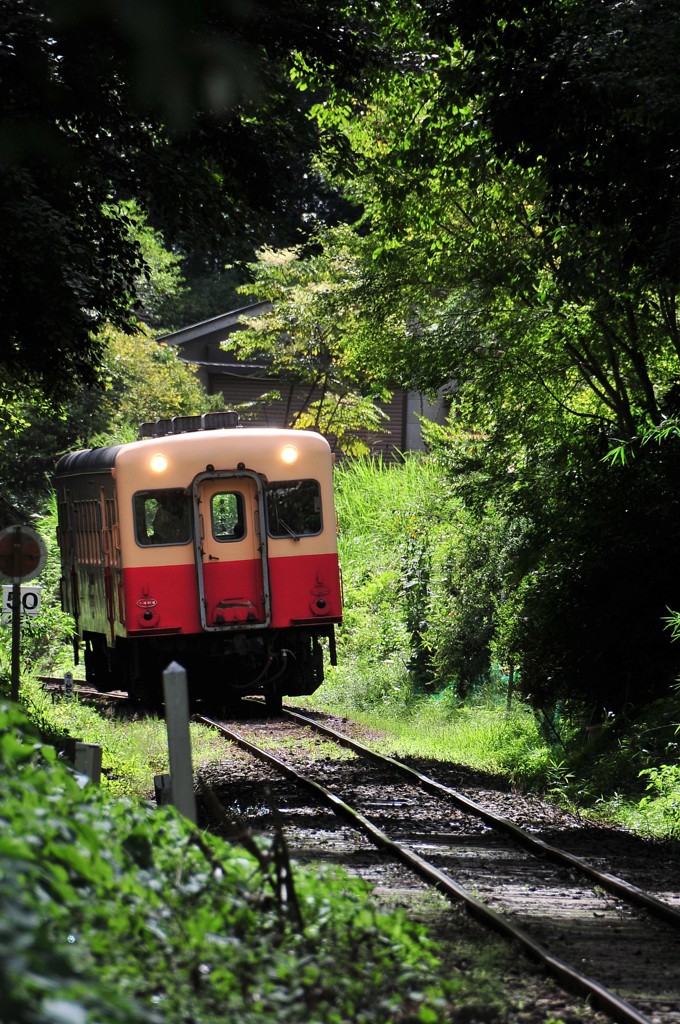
{"x": 202, "y": 344}
{"x": 244, "y": 383}
{"x": 217, "y": 328}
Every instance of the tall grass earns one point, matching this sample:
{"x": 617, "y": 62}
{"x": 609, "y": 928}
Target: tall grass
{"x": 372, "y": 490}
{"x": 379, "y": 504}
{"x": 483, "y": 733}
{"x": 381, "y": 507}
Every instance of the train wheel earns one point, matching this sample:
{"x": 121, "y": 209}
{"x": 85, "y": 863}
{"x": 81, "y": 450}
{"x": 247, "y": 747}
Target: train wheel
{"x": 145, "y": 670}
{"x": 97, "y": 663}
{"x": 228, "y": 705}
{"x": 273, "y": 700}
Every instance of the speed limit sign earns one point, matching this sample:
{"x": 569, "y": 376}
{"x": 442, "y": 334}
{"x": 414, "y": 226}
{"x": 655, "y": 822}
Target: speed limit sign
{"x": 30, "y": 601}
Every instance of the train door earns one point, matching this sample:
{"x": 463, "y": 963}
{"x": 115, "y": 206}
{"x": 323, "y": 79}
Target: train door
{"x": 231, "y": 551}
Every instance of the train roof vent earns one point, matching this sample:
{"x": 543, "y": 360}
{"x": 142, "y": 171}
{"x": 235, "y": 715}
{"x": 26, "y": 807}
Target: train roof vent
{"x": 216, "y": 420}
{"x": 185, "y": 424}
{"x": 156, "y": 429}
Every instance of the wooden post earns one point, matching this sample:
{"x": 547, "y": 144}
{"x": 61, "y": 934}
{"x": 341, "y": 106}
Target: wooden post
{"x": 179, "y": 740}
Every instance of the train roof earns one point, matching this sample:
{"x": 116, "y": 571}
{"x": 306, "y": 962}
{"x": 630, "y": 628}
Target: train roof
{"x": 92, "y": 460}
{"x": 89, "y": 460}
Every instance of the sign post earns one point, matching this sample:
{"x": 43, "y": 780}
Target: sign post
{"x": 22, "y": 556}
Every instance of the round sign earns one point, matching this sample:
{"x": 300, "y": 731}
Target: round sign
{"x": 22, "y": 554}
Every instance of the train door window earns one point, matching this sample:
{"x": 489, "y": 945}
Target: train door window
{"x": 162, "y": 517}
{"x": 226, "y": 516}
{"x": 294, "y": 508}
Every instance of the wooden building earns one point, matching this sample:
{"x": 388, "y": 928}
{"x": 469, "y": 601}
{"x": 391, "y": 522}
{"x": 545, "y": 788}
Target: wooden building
{"x": 206, "y": 345}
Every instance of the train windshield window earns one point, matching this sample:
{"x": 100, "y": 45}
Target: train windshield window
{"x": 226, "y": 511}
{"x": 294, "y": 508}
{"x": 162, "y": 517}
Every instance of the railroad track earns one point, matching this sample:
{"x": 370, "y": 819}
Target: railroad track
{"x": 55, "y": 685}
{"x": 599, "y": 936}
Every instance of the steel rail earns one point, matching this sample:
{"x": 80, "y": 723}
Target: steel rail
{"x": 612, "y": 883}
{"x": 569, "y": 977}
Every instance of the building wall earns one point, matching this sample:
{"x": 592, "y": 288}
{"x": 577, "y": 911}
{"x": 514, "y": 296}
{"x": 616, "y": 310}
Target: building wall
{"x": 279, "y": 412}
{"x": 205, "y": 345}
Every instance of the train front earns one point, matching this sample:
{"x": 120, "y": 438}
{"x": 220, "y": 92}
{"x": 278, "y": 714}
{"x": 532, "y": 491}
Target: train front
{"x": 229, "y": 548}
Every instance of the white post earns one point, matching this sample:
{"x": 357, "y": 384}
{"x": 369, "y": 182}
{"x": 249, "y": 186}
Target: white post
{"x": 88, "y": 760}
{"x": 179, "y": 741}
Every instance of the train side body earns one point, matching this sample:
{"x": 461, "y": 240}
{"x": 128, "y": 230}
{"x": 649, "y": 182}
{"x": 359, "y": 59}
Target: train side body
{"x": 214, "y": 548}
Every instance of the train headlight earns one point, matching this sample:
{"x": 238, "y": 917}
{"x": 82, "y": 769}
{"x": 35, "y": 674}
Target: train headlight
{"x": 159, "y": 463}
{"x": 289, "y": 454}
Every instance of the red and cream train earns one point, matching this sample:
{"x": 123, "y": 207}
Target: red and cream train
{"x": 204, "y": 543}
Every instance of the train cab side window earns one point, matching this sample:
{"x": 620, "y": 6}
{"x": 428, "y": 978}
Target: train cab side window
{"x": 162, "y": 517}
{"x": 226, "y": 515}
{"x": 294, "y": 508}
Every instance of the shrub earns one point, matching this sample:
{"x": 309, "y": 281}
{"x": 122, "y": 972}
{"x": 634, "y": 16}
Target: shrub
{"x": 114, "y": 911}
{"x": 385, "y": 513}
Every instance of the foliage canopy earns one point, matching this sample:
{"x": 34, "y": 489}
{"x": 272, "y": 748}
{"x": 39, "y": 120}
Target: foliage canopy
{"x": 190, "y": 111}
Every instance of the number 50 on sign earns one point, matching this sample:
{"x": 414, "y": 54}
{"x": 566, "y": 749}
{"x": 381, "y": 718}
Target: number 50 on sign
{"x": 30, "y": 602}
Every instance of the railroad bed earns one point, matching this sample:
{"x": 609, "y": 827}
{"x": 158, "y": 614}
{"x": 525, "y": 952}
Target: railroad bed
{"x": 589, "y": 928}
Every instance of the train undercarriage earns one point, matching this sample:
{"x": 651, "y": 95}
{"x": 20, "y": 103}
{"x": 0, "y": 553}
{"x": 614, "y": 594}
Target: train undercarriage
{"x": 220, "y": 670}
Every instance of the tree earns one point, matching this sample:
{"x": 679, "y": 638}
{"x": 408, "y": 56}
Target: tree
{"x": 590, "y": 91}
{"x": 583, "y": 95}
{"x": 160, "y": 281}
{"x": 207, "y": 291}
{"x": 306, "y": 339}
{"x": 190, "y": 110}
{"x": 495, "y": 226}
{"x": 139, "y": 380}
{"x": 510, "y": 253}
{"x": 589, "y": 623}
